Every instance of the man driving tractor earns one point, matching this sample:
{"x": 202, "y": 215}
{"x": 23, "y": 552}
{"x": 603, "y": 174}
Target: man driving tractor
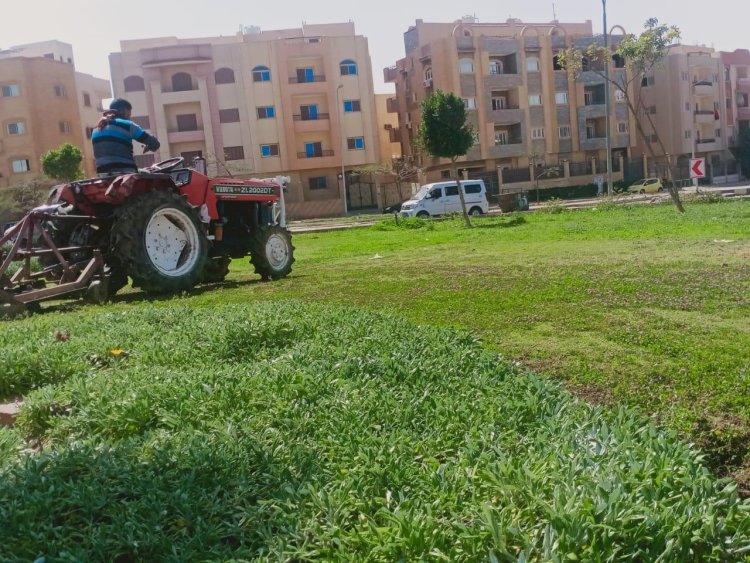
{"x": 113, "y": 140}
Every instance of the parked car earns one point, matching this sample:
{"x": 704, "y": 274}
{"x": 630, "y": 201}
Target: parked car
{"x": 647, "y": 186}
{"x": 442, "y": 197}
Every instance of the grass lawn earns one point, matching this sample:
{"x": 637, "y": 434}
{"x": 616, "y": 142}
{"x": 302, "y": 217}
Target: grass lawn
{"x": 369, "y": 435}
{"x": 626, "y": 305}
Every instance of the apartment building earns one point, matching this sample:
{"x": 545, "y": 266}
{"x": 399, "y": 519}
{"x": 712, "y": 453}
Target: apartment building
{"x": 44, "y": 103}
{"x": 528, "y": 113}
{"x": 390, "y": 147}
{"x": 685, "y": 97}
{"x": 736, "y": 74}
{"x": 294, "y": 102}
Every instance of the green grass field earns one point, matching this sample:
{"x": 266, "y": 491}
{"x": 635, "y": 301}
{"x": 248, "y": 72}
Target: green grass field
{"x": 377, "y": 403}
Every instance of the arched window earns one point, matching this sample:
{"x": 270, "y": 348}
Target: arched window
{"x": 224, "y": 76}
{"x": 428, "y": 73}
{"x": 261, "y": 74}
{"x": 532, "y": 64}
{"x": 466, "y": 66}
{"x": 134, "y": 84}
{"x": 182, "y": 82}
{"x": 348, "y": 67}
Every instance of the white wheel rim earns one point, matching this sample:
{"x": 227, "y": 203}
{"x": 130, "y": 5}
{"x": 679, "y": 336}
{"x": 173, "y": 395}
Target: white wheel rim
{"x": 277, "y": 251}
{"x": 172, "y": 242}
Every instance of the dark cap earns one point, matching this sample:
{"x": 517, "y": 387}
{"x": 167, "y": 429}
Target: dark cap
{"x": 120, "y": 105}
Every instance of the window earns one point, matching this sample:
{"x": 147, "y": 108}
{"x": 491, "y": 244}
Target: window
{"x": 317, "y": 183}
{"x": 470, "y": 103}
{"x": 16, "y": 128}
{"x": 60, "y": 91}
{"x": 261, "y": 74}
{"x": 352, "y": 106}
{"x": 142, "y": 121}
{"x": 618, "y": 60}
{"x": 313, "y": 150}
{"x": 472, "y": 188}
{"x": 499, "y": 102}
{"x": 134, "y": 84}
{"x": 496, "y": 67}
{"x": 532, "y": 64}
{"x": 556, "y": 63}
{"x": 231, "y": 115}
{"x": 269, "y": 150}
{"x": 234, "y": 153}
{"x": 561, "y": 98}
{"x": 266, "y": 112}
{"x": 64, "y": 127}
{"x": 688, "y": 134}
{"x": 563, "y": 132}
{"x": 89, "y": 132}
{"x": 619, "y": 95}
{"x": 687, "y": 106}
{"x": 224, "y": 76}
{"x": 466, "y": 66}
{"x": 685, "y": 75}
{"x": 305, "y": 75}
{"x": 451, "y": 191}
{"x": 10, "y": 91}
{"x": 622, "y": 127}
{"x": 535, "y": 100}
{"x": 309, "y": 112}
{"x": 182, "y": 82}
{"x": 355, "y": 143}
{"x": 652, "y": 110}
{"x": 86, "y": 99}
{"x": 20, "y": 165}
{"x": 654, "y": 138}
{"x": 501, "y": 137}
{"x": 189, "y": 156}
{"x": 537, "y": 133}
{"x": 718, "y": 133}
{"x": 187, "y": 122}
{"x": 445, "y": 174}
{"x": 428, "y": 74}
{"x": 348, "y": 68}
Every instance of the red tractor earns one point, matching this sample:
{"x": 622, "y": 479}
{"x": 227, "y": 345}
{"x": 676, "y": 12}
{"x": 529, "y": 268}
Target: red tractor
{"x": 168, "y": 228}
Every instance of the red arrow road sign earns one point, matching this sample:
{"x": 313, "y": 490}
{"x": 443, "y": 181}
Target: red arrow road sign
{"x": 697, "y": 167}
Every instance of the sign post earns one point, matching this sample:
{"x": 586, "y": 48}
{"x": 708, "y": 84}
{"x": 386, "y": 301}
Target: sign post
{"x": 697, "y": 169}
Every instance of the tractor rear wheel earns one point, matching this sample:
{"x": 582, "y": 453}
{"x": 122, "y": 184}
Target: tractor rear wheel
{"x": 159, "y": 241}
{"x": 272, "y": 252}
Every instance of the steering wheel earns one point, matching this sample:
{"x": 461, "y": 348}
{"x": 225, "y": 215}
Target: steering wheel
{"x": 166, "y": 165}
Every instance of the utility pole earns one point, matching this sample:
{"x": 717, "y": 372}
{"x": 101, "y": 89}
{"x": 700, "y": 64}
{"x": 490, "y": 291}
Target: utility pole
{"x": 606, "y": 99}
{"x": 341, "y": 125}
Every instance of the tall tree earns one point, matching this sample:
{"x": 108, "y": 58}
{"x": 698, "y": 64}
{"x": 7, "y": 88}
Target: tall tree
{"x": 640, "y": 54}
{"x": 444, "y": 133}
{"x": 63, "y": 163}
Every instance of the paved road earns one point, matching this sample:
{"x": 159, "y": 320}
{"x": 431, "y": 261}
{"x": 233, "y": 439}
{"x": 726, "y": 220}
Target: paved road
{"x": 343, "y": 223}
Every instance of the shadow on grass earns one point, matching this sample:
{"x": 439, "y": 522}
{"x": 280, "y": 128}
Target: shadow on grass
{"x": 504, "y": 224}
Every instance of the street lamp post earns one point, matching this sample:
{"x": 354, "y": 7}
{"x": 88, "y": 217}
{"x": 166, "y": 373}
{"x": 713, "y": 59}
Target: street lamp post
{"x": 341, "y": 126}
{"x": 606, "y": 100}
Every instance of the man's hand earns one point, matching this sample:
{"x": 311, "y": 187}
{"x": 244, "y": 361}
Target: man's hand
{"x": 107, "y": 116}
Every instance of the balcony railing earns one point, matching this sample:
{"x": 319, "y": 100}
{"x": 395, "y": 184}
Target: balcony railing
{"x": 299, "y": 117}
{"x": 705, "y": 141}
{"x": 316, "y": 154}
{"x": 307, "y": 79}
{"x": 704, "y": 112}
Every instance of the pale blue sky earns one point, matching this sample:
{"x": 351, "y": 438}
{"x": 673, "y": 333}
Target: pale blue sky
{"x": 95, "y": 27}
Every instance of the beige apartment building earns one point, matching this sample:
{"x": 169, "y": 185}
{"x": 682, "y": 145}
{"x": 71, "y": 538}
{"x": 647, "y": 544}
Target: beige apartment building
{"x": 529, "y": 115}
{"x": 44, "y": 103}
{"x": 736, "y": 75}
{"x": 390, "y": 147}
{"x": 685, "y": 97}
{"x": 294, "y": 102}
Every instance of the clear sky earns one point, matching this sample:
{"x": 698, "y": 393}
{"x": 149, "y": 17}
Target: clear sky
{"x": 95, "y": 27}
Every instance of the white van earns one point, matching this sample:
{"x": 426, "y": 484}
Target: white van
{"x": 442, "y": 197}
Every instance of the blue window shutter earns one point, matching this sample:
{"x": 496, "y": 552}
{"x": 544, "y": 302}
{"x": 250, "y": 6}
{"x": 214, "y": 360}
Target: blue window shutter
{"x": 359, "y": 143}
{"x": 310, "y": 149}
{"x": 265, "y": 150}
{"x": 271, "y": 112}
{"x": 309, "y": 76}
{"x": 347, "y": 105}
{"x": 314, "y": 111}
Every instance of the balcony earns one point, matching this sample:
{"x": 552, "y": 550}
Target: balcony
{"x": 391, "y": 105}
{"x": 507, "y": 116}
{"x": 316, "y": 154}
{"x": 307, "y": 125}
{"x": 743, "y": 84}
{"x": 705, "y": 116}
{"x": 706, "y": 145}
{"x": 703, "y": 88}
{"x": 390, "y": 74}
{"x": 515, "y": 147}
{"x": 465, "y": 44}
{"x": 180, "y": 97}
{"x": 307, "y": 79}
{"x": 177, "y": 136}
{"x": 502, "y": 81}
{"x": 394, "y": 135}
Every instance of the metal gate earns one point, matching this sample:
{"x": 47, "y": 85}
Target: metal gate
{"x": 360, "y": 195}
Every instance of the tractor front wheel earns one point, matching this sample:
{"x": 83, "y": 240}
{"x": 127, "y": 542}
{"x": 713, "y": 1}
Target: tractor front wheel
{"x": 272, "y": 252}
{"x": 159, "y": 241}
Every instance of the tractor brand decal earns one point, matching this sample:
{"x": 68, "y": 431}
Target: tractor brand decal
{"x": 244, "y": 190}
